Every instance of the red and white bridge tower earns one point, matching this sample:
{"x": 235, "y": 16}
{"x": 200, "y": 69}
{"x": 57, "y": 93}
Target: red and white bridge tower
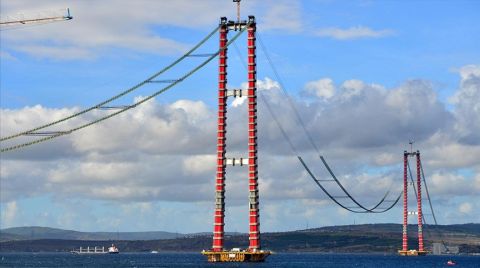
{"x": 218, "y": 252}
{"x": 421, "y": 250}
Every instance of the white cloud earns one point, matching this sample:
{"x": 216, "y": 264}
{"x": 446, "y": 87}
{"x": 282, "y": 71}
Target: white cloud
{"x": 115, "y": 24}
{"x": 266, "y": 84}
{"x": 450, "y": 153}
{"x": 467, "y": 105}
{"x": 284, "y": 15}
{"x": 239, "y": 101}
{"x": 200, "y": 165}
{"x": 322, "y": 88}
{"x": 384, "y": 159}
{"x": 351, "y": 33}
{"x": 196, "y": 111}
{"x": 469, "y": 70}
{"x": 446, "y": 185}
{"x": 135, "y": 26}
{"x": 353, "y": 88}
{"x": 262, "y": 85}
{"x": 167, "y": 151}
{"x": 465, "y": 208}
{"x": 60, "y": 52}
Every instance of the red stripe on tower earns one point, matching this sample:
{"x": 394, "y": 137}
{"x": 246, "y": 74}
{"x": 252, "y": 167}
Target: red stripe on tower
{"x": 405, "y": 203}
{"x": 219, "y": 218}
{"x": 254, "y": 233}
{"x": 419, "y": 205}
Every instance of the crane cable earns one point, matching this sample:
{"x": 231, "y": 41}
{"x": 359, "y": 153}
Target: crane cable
{"x": 128, "y": 107}
{"x": 135, "y": 87}
{"x": 309, "y": 137}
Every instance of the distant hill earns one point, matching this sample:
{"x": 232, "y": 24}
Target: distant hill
{"x": 384, "y": 238}
{"x": 468, "y": 228}
{"x": 35, "y": 233}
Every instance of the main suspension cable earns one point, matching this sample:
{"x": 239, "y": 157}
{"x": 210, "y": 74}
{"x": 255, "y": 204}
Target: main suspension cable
{"x": 18, "y": 146}
{"x": 309, "y": 137}
{"x": 428, "y": 194}
{"x": 346, "y": 192}
{"x": 334, "y": 199}
{"x": 287, "y": 96}
{"x": 135, "y": 87}
{"x": 440, "y": 234}
{"x": 295, "y": 151}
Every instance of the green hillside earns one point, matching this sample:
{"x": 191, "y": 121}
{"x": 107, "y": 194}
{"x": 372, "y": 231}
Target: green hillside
{"x": 384, "y": 238}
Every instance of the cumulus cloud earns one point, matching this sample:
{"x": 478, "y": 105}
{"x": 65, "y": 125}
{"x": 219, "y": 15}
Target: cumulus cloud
{"x": 262, "y": 85}
{"x": 467, "y": 105}
{"x": 109, "y": 24}
{"x": 323, "y": 88}
{"x": 128, "y": 25}
{"x": 400, "y": 113}
{"x": 105, "y": 158}
{"x": 441, "y": 185}
{"x": 351, "y": 33}
{"x": 167, "y": 151}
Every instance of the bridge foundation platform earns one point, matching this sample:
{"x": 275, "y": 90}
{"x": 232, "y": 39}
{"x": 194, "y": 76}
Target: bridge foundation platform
{"x": 236, "y": 256}
{"x": 412, "y": 252}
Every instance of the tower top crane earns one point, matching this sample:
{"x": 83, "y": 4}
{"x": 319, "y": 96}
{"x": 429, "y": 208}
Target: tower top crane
{"x": 238, "y": 9}
{"x": 66, "y": 16}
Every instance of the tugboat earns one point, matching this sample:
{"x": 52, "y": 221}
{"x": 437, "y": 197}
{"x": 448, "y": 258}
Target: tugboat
{"x": 113, "y": 250}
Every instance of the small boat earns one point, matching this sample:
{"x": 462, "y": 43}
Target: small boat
{"x": 113, "y": 250}
{"x": 451, "y": 263}
{"x": 154, "y": 252}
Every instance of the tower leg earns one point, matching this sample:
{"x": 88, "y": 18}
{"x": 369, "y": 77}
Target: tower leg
{"x": 219, "y": 218}
{"x": 405, "y": 203}
{"x": 419, "y": 206}
{"x": 254, "y": 233}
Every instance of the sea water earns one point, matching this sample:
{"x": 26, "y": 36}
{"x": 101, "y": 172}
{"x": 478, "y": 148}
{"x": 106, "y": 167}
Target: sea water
{"x": 65, "y": 260}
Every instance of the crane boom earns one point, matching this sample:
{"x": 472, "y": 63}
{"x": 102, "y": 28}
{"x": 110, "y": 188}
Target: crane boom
{"x": 67, "y": 16}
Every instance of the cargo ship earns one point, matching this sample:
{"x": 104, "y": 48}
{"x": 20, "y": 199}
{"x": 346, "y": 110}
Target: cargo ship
{"x": 96, "y": 250}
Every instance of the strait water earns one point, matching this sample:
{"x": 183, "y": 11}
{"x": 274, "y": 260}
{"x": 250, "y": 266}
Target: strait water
{"x": 66, "y": 260}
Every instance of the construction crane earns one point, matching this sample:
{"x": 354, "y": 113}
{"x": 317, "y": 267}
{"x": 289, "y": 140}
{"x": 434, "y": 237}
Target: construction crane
{"x": 67, "y": 16}
{"x": 238, "y": 9}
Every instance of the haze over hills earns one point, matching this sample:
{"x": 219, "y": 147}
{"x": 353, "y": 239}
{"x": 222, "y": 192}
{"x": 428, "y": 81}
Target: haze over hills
{"x": 36, "y": 232}
{"x": 384, "y": 238}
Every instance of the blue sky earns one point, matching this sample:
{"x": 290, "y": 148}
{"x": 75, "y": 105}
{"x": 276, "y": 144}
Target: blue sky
{"x": 366, "y": 75}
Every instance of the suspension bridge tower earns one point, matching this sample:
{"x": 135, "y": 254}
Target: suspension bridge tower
{"x": 254, "y": 253}
{"x": 421, "y": 250}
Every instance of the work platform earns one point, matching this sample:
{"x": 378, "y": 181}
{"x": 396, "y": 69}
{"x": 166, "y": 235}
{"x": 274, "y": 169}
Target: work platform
{"x": 236, "y": 256}
{"x": 412, "y": 252}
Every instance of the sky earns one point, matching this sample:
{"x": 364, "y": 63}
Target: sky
{"x": 366, "y": 77}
